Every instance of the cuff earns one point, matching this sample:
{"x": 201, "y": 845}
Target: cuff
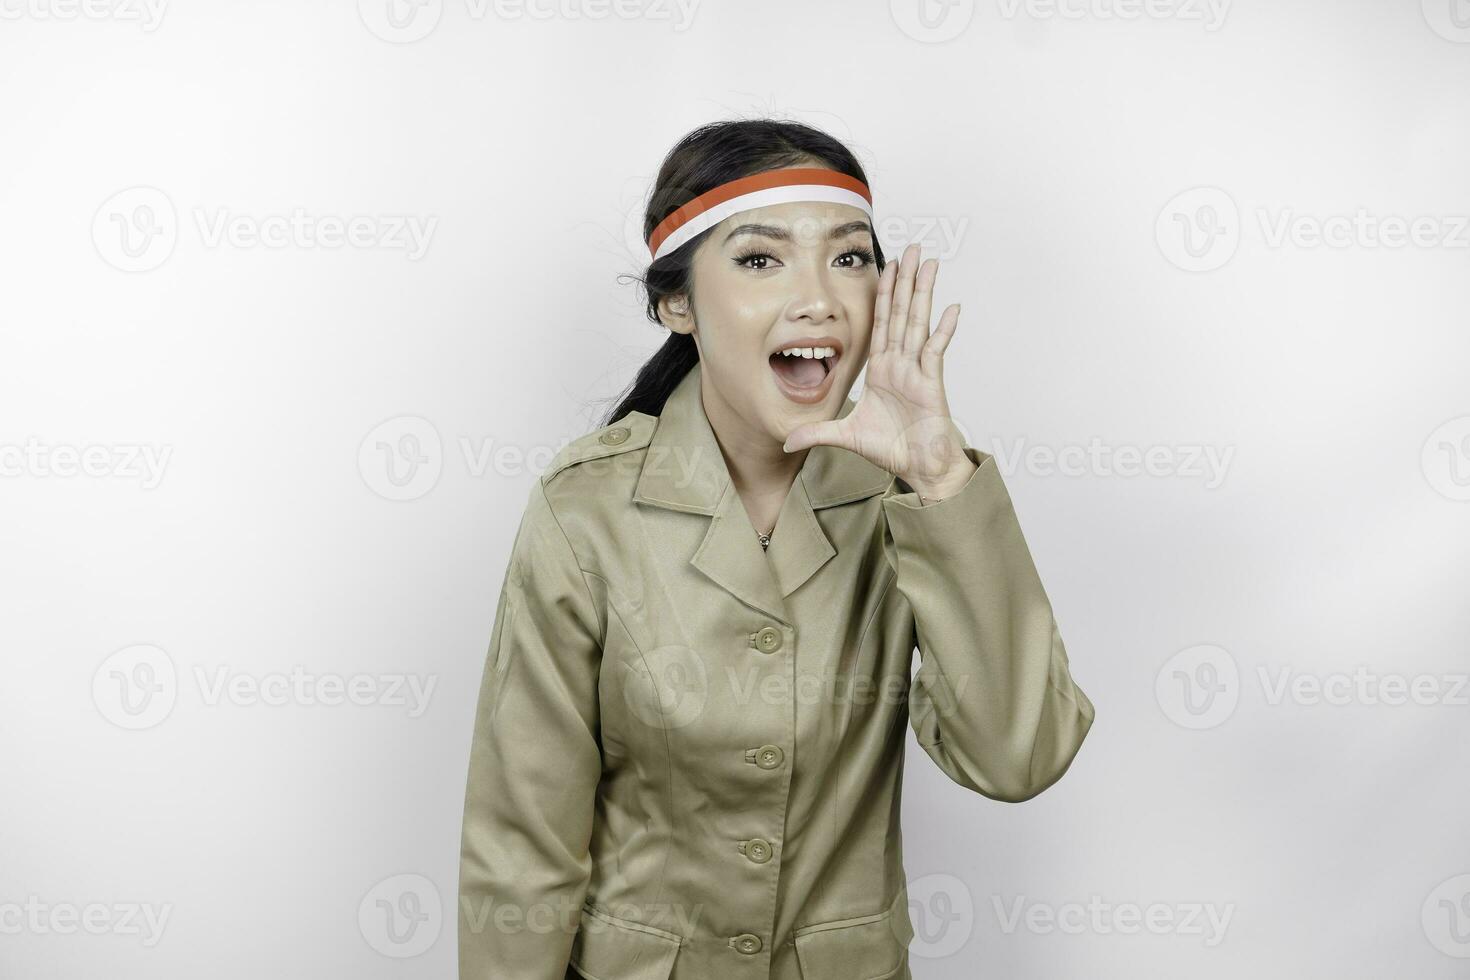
{"x": 949, "y": 526}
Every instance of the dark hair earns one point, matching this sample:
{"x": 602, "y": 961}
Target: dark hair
{"x": 711, "y": 155}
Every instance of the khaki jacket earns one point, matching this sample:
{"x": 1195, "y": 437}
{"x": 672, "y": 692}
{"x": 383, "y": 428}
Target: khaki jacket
{"x": 688, "y": 752}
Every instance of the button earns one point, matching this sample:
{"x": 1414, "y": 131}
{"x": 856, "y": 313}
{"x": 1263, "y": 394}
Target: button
{"x": 747, "y": 942}
{"x": 767, "y": 756}
{"x": 614, "y": 436}
{"x": 768, "y": 640}
{"x": 758, "y": 850}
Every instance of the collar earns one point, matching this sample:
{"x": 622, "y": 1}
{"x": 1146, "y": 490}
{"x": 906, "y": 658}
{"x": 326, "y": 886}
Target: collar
{"x": 684, "y": 470}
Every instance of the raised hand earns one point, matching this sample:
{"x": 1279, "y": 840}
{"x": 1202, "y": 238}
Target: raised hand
{"x": 901, "y": 421}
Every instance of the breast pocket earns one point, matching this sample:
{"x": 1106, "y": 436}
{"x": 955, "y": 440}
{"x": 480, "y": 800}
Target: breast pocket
{"x": 610, "y": 948}
{"x": 868, "y": 947}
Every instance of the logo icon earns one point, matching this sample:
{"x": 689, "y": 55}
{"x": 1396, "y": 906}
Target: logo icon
{"x": 401, "y": 21}
{"x": 135, "y": 230}
{"x": 1198, "y": 687}
{"x": 1446, "y": 917}
{"x": 1450, "y": 19}
{"x": 401, "y": 916}
{"x": 932, "y": 21}
{"x": 1446, "y": 459}
{"x": 136, "y": 687}
{"x": 667, "y": 688}
{"x": 942, "y": 913}
{"x": 402, "y": 458}
{"x": 1199, "y": 230}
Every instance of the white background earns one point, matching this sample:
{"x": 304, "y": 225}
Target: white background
{"x": 1054, "y": 158}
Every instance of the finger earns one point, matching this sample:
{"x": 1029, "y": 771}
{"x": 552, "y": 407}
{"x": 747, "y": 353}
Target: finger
{"x": 903, "y": 292}
{"x": 916, "y": 330}
{"x": 828, "y": 433}
{"x": 881, "y": 307}
{"x": 931, "y": 358}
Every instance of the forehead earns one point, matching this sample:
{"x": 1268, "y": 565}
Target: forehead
{"x": 803, "y": 221}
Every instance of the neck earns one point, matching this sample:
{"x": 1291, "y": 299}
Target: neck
{"x": 760, "y": 469}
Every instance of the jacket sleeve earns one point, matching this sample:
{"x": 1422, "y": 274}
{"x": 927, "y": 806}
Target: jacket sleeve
{"x": 535, "y": 761}
{"x": 993, "y": 703}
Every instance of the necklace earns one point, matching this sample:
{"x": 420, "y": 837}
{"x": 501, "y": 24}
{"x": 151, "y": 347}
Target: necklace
{"x": 765, "y": 538}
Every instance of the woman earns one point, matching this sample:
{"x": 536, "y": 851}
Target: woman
{"x": 689, "y": 745}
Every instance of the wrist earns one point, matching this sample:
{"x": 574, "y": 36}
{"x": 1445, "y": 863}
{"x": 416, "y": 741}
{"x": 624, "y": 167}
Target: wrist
{"x": 947, "y": 484}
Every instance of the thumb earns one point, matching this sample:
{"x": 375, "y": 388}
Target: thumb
{"x": 829, "y": 433}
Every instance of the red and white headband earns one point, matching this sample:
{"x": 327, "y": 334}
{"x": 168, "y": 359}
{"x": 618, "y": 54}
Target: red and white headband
{"x": 760, "y": 190}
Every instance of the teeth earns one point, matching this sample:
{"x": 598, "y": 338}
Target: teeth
{"x": 817, "y": 352}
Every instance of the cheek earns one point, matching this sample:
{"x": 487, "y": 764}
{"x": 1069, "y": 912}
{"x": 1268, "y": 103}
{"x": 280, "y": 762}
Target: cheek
{"x": 859, "y": 306}
{"x": 752, "y": 312}
{"x": 736, "y": 318}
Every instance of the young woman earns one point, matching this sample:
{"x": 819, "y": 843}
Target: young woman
{"x": 689, "y": 745}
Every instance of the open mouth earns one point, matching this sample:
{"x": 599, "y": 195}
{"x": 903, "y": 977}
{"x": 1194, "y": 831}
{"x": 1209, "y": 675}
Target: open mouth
{"x": 804, "y": 368}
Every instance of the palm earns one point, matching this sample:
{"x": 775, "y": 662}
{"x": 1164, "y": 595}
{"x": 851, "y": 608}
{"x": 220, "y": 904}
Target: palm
{"x": 901, "y": 421}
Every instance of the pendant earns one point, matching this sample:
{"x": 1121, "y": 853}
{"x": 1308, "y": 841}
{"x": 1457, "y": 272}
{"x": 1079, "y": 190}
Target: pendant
{"x": 765, "y": 539}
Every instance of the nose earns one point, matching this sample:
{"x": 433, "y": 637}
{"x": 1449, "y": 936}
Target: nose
{"x": 814, "y": 299}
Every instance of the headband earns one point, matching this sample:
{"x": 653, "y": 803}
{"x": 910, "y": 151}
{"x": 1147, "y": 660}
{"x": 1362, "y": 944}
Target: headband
{"x": 757, "y": 191}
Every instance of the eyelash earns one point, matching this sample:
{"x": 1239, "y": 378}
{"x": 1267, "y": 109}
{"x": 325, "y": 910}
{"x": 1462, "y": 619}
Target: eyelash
{"x": 865, "y": 254}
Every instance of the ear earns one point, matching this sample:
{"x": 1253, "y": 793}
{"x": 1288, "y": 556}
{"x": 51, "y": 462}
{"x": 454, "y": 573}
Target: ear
{"x": 675, "y": 313}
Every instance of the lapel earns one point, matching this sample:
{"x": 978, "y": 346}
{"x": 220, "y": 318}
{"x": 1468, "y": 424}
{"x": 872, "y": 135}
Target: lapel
{"x": 684, "y": 470}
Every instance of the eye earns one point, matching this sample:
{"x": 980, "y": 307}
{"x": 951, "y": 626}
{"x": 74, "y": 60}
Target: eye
{"x": 745, "y": 257}
{"x": 865, "y": 254}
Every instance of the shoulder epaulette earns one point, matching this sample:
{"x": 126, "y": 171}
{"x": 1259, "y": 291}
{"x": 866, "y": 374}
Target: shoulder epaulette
{"x": 632, "y": 431}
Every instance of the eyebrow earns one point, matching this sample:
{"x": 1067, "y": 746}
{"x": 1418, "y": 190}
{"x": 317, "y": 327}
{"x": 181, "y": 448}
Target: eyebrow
{"x": 782, "y": 235}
